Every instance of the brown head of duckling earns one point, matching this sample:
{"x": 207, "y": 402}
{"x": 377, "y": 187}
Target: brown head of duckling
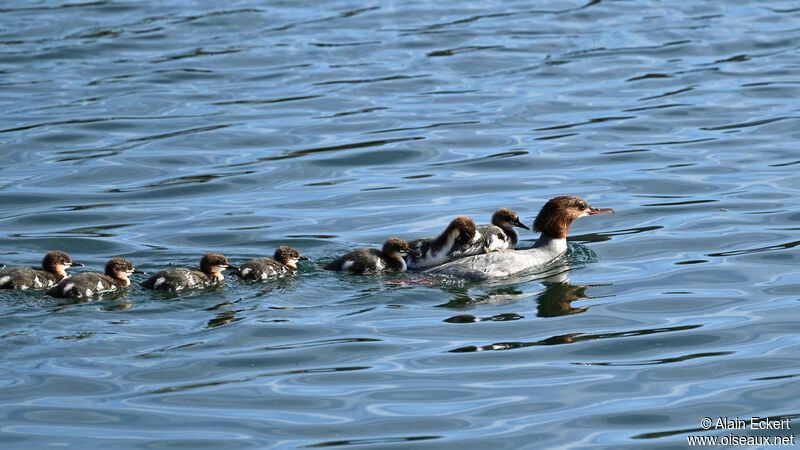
{"x": 396, "y": 248}
{"x": 120, "y": 269}
{"x": 214, "y": 263}
{"x": 465, "y": 228}
{"x": 288, "y": 256}
{"x": 558, "y": 213}
{"x": 58, "y": 262}
{"x": 507, "y": 217}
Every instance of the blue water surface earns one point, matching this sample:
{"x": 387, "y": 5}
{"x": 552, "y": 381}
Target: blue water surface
{"x": 158, "y": 131}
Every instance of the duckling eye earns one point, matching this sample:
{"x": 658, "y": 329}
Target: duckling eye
{"x": 581, "y": 205}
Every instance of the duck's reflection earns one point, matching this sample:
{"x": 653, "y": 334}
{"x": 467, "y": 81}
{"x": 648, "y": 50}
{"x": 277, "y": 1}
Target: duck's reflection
{"x": 578, "y": 337}
{"x": 554, "y": 300}
{"x": 557, "y": 298}
{"x": 223, "y": 318}
{"x": 109, "y": 301}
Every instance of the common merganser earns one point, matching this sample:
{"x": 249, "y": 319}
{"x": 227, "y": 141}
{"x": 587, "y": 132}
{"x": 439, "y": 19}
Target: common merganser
{"x": 552, "y": 221}
{"x": 284, "y": 262}
{"x": 460, "y": 233}
{"x": 54, "y": 269}
{"x": 86, "y": 284}
{"x": 391, "y": 258}
{"x": 497, "y": 236}
{"x": 178, "y": 278}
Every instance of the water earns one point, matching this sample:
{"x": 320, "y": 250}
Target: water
{"x": 159, "y": 132}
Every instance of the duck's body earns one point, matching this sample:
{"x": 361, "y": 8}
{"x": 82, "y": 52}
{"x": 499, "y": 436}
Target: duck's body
{"x": 54, "y": 269}
{"x": 498, "y": 236}
{"x": 284, "y": 263}
{"x": 179, "y": 278}
{"x": 502, "y": 264}
{"x": 361, "y": 261}
{"x": 553, "y": 222}
{"x": 86, "y": 284}
{"x": 459, "y": 234}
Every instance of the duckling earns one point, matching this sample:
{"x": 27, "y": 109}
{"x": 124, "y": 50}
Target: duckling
{"x": 284, "y": 262}
{"x": 86, "y": 284}
{"x": 498, "y": 236}
{"x": 461, "y": 232}
{"x": 178, "y": 278}
{"x": 369, "y": 260}
{"x": 54, "y": 269}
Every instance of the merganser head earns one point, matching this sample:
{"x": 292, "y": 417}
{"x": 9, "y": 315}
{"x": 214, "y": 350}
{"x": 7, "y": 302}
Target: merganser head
{"x": 558, "y": 213}
{"x": 120, "y": 269}
{"x": 465, "y": 228}
{"x": 507, "y": 216}
{"x": 58, "y": 263}
{"x": 398, "y": 248}
{"x": 214, "y": 263}
{"x": 288, "y": 256}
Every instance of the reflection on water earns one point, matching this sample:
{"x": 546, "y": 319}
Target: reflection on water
{"x": 380, "y": 441}
{"x": 575, "y": 338}
{"x": 467, "y": 318}
{"x": 461, "y": 296}
{"x": 557, "y": 298}
{"x": 223, "y": 318}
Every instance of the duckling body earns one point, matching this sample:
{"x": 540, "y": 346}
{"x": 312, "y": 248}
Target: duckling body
{"x": 179, "y": 278}
{"x": 391, "y": 258}
{"x": 498, "y": 236}
{"x": 459, "y": 234}
{"x": 283, "y": 263}
{"x": 54, "y": 269}
{"x": 86, "y": 284}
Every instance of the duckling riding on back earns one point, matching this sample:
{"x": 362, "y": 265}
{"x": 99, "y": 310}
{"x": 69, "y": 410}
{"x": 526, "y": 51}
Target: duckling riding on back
{"x": 552, "y": 222}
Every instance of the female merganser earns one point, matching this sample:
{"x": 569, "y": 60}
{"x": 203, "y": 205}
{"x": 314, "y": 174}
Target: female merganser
{"x": 86, "y": 284}
{"x": 284, "y": 262}
{"x": 54, "y": 269}
{"x": 552, "y": 221}
{"x": 177, "y": 278}
{"x": 499, "y": 235}
{"x": 369, "y": 260}
{"x": 434, "y": 251}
